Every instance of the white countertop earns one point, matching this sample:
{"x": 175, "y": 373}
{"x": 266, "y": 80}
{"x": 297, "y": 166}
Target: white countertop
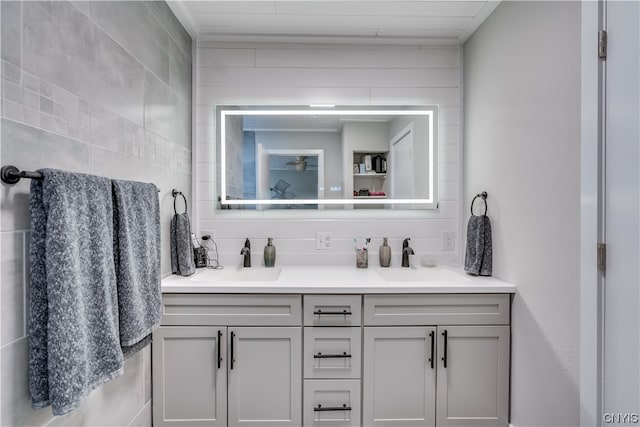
{"x": 334, "y": 279}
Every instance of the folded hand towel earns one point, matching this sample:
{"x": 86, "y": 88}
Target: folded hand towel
{"x": 74, "y": 344}
{"x": 478, "y": 259}
{"x": 137, "y": 260}
{"x": 182, "y": 262}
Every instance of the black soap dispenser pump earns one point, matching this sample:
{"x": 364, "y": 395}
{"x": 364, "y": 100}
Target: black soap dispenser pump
{"x": 384, "y": 253}
{"x": 269, "y": 253}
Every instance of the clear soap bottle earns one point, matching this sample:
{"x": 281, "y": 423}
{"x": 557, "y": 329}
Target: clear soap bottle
{"x": 384, "y": 253}
{"x": 269, "y": 253}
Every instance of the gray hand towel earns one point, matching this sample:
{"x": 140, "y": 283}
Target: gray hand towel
{"x": 479, "y": 252}
{"x": 182, "y": 262}
{"x": 74, "y": 344}
{"x": 137, "y": 260}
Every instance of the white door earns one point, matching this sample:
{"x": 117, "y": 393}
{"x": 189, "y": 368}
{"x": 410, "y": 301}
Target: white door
{"x": 402, "y": 185}
{"x": 262, "y": 174}
{"x": 473, "y": 376}
{"x": 189, "y": 376}
{"x": 399, "y": 376}
{"x": 265, "y": 377}
{"x": 622, "y": 224}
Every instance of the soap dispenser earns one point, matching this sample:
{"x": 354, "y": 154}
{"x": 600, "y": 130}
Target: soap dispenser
{"x": 269, "y": 253}
{"x": 384, "y": 253}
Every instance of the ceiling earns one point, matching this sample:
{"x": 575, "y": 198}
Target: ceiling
{"x": 333, "y": 21}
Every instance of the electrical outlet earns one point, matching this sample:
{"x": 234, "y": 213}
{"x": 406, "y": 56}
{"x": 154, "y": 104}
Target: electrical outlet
{"x": 448, "y": 240}
{"x": 211, "y": 233}
{"x": 323, "y": 240}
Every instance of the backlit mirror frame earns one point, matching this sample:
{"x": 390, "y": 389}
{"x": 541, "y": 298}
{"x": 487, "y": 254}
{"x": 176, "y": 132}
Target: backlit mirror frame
{"x": 428, "y": 111}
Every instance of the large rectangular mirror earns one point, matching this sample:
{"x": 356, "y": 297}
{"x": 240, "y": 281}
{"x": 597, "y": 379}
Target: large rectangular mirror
{"x": 328, "y": 157}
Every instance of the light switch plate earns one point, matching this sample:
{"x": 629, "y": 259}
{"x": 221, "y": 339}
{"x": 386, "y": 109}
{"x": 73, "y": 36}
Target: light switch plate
{"x": 323, "y": 240}
{"x": 448, "y": 240}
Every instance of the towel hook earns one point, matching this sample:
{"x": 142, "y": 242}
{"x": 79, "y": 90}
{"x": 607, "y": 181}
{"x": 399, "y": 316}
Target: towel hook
{"x": 483, "y": 196}
{"x": 175, "y": 193}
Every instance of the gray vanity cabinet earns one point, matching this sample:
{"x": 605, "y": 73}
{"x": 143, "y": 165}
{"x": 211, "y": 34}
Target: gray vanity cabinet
{"x": 265, "y": 377}
{"x": 189, "y": 386}
{"x": 473, "y": 387}
{"x": 399, "y": 377}
{"x": 245, "y": 373}
{"x": 447, "y": 366}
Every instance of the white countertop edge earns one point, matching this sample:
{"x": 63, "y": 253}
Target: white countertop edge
{"x": 322, "y": 281}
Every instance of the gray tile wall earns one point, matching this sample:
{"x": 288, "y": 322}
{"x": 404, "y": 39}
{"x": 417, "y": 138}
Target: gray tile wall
{"x": 96, "y": 87}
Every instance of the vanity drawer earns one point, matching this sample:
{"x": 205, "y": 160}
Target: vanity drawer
{"x": 332, "y": 310}
{"x": 339, "y": 403}
{"x": 437, "y": 309}
{"x": 332, "y": 352}
{"x": 232, "y": 310}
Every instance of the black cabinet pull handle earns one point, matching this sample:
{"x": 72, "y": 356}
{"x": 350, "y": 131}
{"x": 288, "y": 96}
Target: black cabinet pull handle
{"x": 233, "y": 336}
{"x": 344, "y": 407}
{"x": 332, "y": 313}
{"x": 330, "y": 356}
{"x": 433, "y": 347}
{"x": 444, "y": 359}
{"x": 219, "y": 349}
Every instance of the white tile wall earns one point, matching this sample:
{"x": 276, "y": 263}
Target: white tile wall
{"x": 300, "y": 75}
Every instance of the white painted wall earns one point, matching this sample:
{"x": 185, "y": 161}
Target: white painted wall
{"x": 522, "y": 145}
{"x": 289, "y": 74}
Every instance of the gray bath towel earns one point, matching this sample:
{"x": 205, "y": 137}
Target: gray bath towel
{"x": 137, "y": 259}
{"x": 182, "y": 262}
{"x": 74, "y": 344}
{"x": 478, "y": 256}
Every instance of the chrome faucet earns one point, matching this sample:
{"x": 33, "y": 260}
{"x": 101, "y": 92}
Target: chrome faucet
{"x": 246, "y": 254}
{"x": 406, "y": 251}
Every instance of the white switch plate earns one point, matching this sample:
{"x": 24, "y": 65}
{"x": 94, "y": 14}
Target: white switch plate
{"x": 448, "y": 240}
{"x": 323, "y": 240}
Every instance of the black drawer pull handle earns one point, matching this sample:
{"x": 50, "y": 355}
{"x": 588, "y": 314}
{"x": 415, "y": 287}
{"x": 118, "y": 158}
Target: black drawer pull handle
{"x": 232, "y": 358}
{"x": 444, "y": 359}
{"x": 332, "y": 313}
{"x": 344, "y": 407}
{"x": 331, "y": 356}
{"x": 219, "y": 349}
{"x": 433, "y": 347}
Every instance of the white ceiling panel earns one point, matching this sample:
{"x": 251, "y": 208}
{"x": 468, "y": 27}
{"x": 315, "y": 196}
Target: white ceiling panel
{"x": 236, "y": 6}
{"x": 286, "y": 30}
{"x": 380, "y": 8}
{"x": 413, "y": 22}
{"x": 324, "y": 21}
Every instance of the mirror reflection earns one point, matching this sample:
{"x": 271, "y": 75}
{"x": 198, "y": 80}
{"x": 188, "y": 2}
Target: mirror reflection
{"x": 327, "y": 158}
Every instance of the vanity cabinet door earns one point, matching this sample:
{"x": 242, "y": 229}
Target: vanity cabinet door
{"x": 265, "y": 376}
{"x": 399, "y": 376}
{"x": 189, "y": 376}
{"x": 473, "y": 376}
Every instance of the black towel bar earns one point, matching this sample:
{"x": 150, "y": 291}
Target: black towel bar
{"x": 11, "y": 175}
{"x": 483, "y": 196}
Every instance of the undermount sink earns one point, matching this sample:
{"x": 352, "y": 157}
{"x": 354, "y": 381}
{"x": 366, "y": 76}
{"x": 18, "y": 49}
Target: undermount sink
{"x": 235, "y": 274}
{"x": 420, "y": 274}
